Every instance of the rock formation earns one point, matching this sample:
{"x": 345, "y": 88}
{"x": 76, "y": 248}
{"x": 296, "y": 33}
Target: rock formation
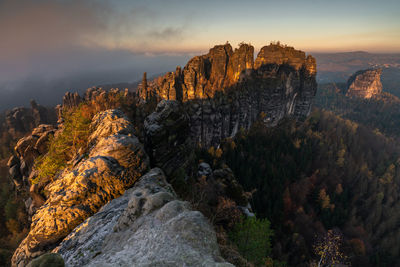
{"x": 146, "y": 226}
{"x": 116, "y": 159}
{"x": 225, "y": 90}
{"x": 277, "y": 54}
{"x": 167, "y": 136}
{"x": 106, "y": 208}
{"x": 71, "y": 100}
{"x": 26, "y": 150}
{"x": 92, "y": 94}
{"x": 365, "y": 83}
{"x": 223, "y": 68}
{"x": 21, "y": 120}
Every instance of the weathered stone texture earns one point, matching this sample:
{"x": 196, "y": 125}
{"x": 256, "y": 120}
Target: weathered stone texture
{"x": 146, "y": 226}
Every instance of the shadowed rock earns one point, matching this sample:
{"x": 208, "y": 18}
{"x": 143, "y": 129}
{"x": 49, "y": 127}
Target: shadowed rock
{"x": 167, "y": 136}
{"x": 20, "y": 121}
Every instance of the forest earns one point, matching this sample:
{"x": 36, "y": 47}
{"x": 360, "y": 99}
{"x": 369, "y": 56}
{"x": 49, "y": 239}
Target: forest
{"x": 327, "y": 173}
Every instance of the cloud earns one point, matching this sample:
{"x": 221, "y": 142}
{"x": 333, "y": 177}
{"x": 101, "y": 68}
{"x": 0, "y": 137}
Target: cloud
{"x": 37, "y": 36}
{"x": 40, "y": 26}
{"x": 168, "y": 33}
{"x": 50, "y": 46}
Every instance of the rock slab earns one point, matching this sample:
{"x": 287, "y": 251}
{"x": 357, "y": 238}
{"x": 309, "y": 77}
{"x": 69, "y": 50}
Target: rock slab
{"x": 146, "y": 226}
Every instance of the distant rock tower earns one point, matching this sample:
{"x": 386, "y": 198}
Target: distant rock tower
{"x": 144, "y": 81}
{"x": 365, "y": 83}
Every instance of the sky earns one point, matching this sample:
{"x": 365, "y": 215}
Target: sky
{"x": 50, "y": 46}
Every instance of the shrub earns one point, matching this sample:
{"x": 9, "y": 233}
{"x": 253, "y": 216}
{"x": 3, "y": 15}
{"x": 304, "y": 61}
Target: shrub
{"x": 252, "y": 236}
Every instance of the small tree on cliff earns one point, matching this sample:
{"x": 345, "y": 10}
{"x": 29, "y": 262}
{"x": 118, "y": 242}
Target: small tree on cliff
{"x": 65, "y": 145}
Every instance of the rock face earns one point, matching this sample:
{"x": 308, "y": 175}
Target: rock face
{"x": 225, "y": 90}
{"x": 365, "y": 83}
{"x": 116, "y": 159}
{"x": 167, "y": 136}
{"x": 146, "y": 226}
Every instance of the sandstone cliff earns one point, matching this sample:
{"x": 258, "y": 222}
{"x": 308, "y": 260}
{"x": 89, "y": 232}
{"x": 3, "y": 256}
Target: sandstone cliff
{"x": 365, "y": 83}
{"x": 226, "y": 90}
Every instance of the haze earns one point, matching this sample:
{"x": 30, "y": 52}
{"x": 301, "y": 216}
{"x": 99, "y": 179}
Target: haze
{"x": 49, "y": 47}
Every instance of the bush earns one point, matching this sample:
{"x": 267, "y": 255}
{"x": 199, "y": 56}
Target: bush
{"x": 252, "y": 236}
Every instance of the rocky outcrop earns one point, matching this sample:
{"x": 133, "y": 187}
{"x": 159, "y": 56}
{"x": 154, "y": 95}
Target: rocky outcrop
{"x": 225, "y": 90}
{"x": 21, "y": 120}
{"x": 365, "y": 83}
{"x": 115, "y": 160}
{"x": 26, "y": 150}
{"x": 71, "y": 100}
{"x": 147, "y": 226}
{"x": 91, "y": 95}
{"x": 222, "y": 68}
